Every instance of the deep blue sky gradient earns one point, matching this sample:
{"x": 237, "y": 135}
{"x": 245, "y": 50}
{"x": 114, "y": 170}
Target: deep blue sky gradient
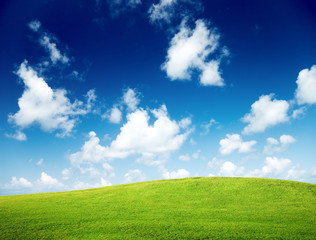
{"x": 270, "y": 42}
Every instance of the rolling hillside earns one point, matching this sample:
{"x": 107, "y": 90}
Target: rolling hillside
{"x": 191, "y": 208}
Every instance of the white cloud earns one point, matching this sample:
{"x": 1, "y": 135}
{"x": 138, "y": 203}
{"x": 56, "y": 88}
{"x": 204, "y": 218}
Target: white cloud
{"x": 48, "y": 182}
{"x": 275, "y": 146}
{"x": 184, "y": 158}
{"x": 164, "y": 11}
{"x": 180, "y": 173}
{"x": 287, "y": 139}
{"x": 306, "y": 86}
{"x": 273, "y": 167}
{"x": 295, "y": 173}
{"x": 130, "y": 98}
{"x": 272, "y": 141}
{"x": 207, "y": 126}
{"x": 46, "y": 40}
{"x": 78, "y": 185}
{"x": 153, "y": 142}
{"x": 18, "y": 135}
{"x": 66, "y": 173}
{"x": 191, "y": 49}
{"x": 211, "y": 75}
{"x": 229, "y": 169}
{"x": 134, "y": 176}
{"x": 214, "y": 163}
{"x": 35, "y": 25}
{"x": 105, "y": 183}
{"x": 196, "y": 155}
{"x": 115, "y": 115}
{"x": 234, "y": 142}
{"x": 40, "y": 104}
{"x": 192, "y": 141}
{"x": 40, "y": 162}
{"x": 161, "y": 11}
{"x": 92, "y": 152}
{"x": 265, "y": 112}
{"x": 119, "y": 6}
{"x": 151, "y": 159}
{"x": 185, "y": 123}
{"x": 54, "y": 52}
{"x": 298, "y": 113}
{"x": 92, "y": 159}
{"x": 137, "y": 136}
{"x": 18, "y": 183}
{"x": 134, "y": 3}
{"x": 91, "y": 98}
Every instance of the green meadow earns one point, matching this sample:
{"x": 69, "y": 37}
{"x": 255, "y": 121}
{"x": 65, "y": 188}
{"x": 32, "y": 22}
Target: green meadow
{"x": 191, "y": 208}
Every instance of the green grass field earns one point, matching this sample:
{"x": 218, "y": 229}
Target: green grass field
{"x": 191, "y": 208}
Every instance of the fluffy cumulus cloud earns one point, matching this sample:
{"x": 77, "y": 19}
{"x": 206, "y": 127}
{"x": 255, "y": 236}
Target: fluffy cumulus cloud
{"x": 276, "y": 146}
{"x": 306, "y": 86}
{"x": 229, "y": 169}
{"x": 273, "y": 167}
{"x": 138, "y": 136}
{"x": 265, "y": 112}
{"x": 180, "y": 173}
{"x": 234, "y": 142}
{"x": 191, "y": 50}
{"x": 151, "y": 140}
{"x": 45, "y": 183}
{"x": 135, "y": 175}
{"x": 18, "y": 183}
{"x": 42, "y": 105}
{"x": 48, "y": 182}
{"x": 93, "y": 152}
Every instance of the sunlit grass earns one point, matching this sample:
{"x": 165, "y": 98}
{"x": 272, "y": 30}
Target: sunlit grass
{"x": 192, "y": 208}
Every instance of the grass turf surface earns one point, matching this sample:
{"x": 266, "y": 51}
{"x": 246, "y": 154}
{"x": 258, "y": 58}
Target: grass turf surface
{"x": 191, "y": 208}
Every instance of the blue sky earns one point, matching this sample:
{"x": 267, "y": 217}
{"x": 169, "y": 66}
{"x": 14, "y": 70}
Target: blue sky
{"x": 104, "y": 92}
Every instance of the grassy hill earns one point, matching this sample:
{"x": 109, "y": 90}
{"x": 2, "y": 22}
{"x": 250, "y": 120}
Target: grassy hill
{"x": 191, "y": 208}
